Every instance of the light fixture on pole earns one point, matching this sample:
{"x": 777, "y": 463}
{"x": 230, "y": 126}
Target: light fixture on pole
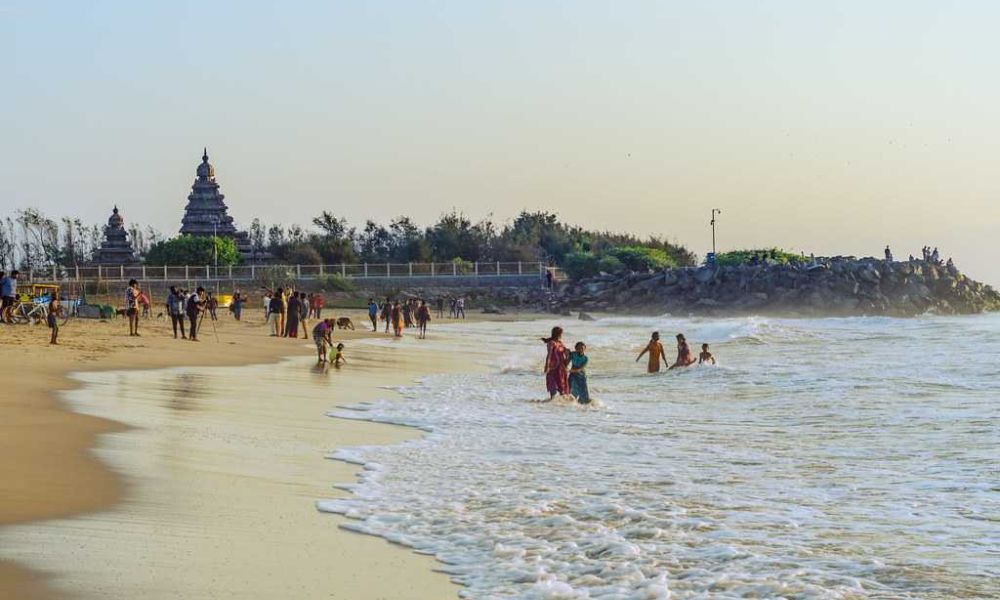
{"x": 715, "y": 211}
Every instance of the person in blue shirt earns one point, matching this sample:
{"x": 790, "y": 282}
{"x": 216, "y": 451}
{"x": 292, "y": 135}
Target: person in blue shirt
{"x": 373, "y": 313}
{"x": 8, "y": 292}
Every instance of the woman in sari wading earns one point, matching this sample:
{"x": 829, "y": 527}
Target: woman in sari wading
{"x": 556, "y": 360}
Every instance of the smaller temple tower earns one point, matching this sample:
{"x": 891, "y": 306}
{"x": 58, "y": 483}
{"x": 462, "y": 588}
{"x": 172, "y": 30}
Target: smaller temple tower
{"x": 115, "y": 249}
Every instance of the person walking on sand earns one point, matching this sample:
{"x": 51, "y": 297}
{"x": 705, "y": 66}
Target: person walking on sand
{"x": 52, "y": 318}
{"x": 684, "y": 356}
{"x": 397, "y": 319}
{"x": 655, "y": 350}
{"x": 236, "y": 304}
{"x": 578, "y": 373}
{"x": 556, "y": 361}
{"x": 440, "y": 307}
{"x": 195, "y": 304}
{"x": 304, "y": 314}
{"x": 8, "y": 293}
{"x": 387, "y": 314}
{"x": 292, "y": 316}
{"x": 460, "y": 308}
{"x": 175, "y": 308}
{"x": 274, "y": 312}
{"x": 423, "y": 318}
{"x": 373, "y": 314}
{"x": 132, "y": 307}
{"x": 144, "y": 303}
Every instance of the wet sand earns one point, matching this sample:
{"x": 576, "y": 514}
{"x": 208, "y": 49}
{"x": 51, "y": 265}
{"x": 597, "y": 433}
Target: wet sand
{"x": 180, "y": 507}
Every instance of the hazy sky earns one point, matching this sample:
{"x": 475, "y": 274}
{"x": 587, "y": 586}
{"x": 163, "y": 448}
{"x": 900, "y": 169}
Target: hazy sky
{"x": 828, "y": 127}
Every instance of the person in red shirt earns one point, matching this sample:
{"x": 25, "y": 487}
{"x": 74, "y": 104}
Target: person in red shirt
{"x": 317, "y": 305}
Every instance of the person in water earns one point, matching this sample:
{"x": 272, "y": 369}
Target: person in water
{"x": 338, "y": 358}
{"x": 556, "y": 360}
{"x": 655, "y": 350}
{"x": 578, "y": 374}
{"x": 705, "y": 356}
{"x": 684, "y": 356}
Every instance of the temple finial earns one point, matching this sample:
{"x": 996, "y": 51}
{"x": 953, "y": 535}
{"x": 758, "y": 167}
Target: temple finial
{"x": 204, "y": 156}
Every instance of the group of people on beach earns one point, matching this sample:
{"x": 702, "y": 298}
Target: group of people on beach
{"x": 566, "y": 371}
{"x": 399, "y": 315}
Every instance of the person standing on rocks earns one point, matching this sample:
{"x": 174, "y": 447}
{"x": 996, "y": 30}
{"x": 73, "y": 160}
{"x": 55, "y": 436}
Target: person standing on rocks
{"x": 888, "y": 254}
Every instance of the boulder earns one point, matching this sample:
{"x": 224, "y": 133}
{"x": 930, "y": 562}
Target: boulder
{"x": 89, "y": 311}
{"x": 586, "y": 317}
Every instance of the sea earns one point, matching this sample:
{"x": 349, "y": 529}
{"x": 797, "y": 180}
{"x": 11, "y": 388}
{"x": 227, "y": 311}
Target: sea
{"x": 820, "y": 458}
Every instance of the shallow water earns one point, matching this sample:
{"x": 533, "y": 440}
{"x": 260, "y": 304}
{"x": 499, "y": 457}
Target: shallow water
{"x": 826, "y": 458}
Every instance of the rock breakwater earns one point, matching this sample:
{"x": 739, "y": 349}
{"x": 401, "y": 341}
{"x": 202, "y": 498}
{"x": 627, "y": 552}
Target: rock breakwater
{"x": 835, "y": 287}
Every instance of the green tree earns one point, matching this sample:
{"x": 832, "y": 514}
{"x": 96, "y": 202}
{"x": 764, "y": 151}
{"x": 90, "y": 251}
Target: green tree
{"x": 193, "y": 250}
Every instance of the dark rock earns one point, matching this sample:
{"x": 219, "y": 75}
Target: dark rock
{"x": 586, "y": 317}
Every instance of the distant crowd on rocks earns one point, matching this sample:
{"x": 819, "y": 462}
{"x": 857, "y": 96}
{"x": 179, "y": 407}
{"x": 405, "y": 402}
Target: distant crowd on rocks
{"x": 810, "y": 287}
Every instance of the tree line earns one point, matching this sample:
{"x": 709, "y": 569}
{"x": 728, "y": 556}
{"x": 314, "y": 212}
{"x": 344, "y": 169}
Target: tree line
{"x": 29, "y": 239}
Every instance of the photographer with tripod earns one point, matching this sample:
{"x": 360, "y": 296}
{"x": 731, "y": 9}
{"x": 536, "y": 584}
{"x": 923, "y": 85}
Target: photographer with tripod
{"x": 193, "y": 307}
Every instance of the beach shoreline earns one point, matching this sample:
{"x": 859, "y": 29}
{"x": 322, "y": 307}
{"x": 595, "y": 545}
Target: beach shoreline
{"x": 53, "y": 452}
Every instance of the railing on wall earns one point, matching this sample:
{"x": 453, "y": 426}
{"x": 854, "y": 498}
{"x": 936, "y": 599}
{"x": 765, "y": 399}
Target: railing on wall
{"x": 95, "y": 273}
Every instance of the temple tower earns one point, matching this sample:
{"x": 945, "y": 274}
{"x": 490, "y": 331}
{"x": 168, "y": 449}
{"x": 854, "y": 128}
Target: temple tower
{"x": 206, "y": 213}
{"x": 115, "y": 249}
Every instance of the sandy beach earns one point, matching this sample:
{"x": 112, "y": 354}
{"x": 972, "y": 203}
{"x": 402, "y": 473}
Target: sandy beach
{"x": 113, "y": 499}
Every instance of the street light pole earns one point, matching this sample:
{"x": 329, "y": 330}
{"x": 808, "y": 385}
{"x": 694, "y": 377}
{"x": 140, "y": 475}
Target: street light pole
{"x": 715, "y": 211}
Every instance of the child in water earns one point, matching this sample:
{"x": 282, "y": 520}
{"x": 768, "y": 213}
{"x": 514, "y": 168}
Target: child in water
{"x": 339, "y": 359}
{"x": 578, "y": 373}
{"x": 705, "y": 356}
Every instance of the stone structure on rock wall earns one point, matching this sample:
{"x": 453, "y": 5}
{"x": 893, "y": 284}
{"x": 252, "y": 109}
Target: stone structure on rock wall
{"x": 115, "y": 248}
{"x": 206, "y": 213}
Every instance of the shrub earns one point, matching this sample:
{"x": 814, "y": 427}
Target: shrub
{"x": 610, "y": 264}
{"x": 774, "y": 256}
{"x": 641, "y": 258}
{"x": 193, "y": 250}
{"x": 580, "y": 265}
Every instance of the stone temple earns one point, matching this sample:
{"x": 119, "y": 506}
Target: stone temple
{"x": 115, "y": 249}
{"x": 206, "y": 213}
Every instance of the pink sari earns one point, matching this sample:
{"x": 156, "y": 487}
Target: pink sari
{"x": 556, "y": 373}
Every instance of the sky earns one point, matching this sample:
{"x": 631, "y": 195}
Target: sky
{"x": 833, "y": 127}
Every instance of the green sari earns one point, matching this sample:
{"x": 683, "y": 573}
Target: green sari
{"x": 578, "y": 381}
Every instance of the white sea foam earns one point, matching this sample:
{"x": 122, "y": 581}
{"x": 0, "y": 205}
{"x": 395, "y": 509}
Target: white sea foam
{"x": 828, "y": 458}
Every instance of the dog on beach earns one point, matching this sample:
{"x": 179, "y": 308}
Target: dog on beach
{"x": 120, "y": 312}
{"x": 345, "y": 323}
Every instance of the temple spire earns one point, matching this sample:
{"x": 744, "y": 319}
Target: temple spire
{"x": 204, "y": 156}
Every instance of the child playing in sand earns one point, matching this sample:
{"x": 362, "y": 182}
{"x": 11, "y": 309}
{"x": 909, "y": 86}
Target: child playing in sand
{"x": 655, "y": 350}
{"x": 321, "y": 336}
{"x": 705, "y": 356}
{"x": 339, "y": 359}
{"x": 578, "y": 373}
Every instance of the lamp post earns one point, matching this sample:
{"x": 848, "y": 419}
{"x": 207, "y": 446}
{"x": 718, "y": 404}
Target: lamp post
{"x": 715, "y": 211}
